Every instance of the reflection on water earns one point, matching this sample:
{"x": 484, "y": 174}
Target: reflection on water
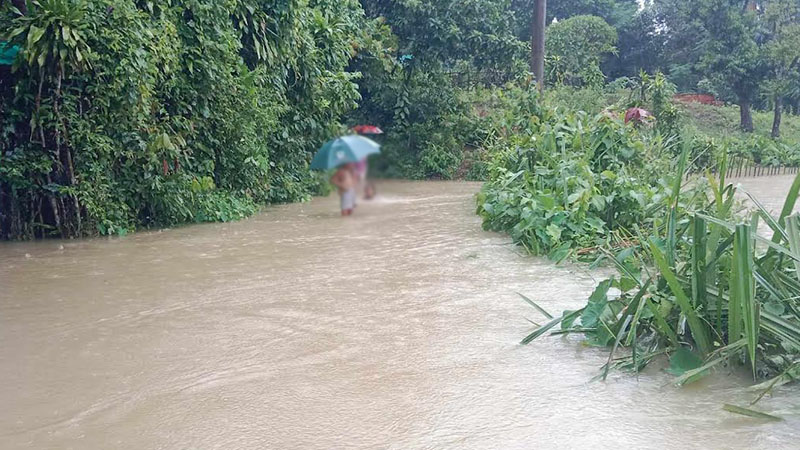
{"x": 396, "y": 328}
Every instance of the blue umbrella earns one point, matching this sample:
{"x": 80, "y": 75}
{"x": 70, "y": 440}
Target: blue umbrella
{"x": 343, "y": 150}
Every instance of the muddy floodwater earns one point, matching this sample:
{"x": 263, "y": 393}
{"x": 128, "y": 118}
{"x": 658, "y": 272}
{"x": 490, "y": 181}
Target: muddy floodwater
{"x": 397, "y": 328}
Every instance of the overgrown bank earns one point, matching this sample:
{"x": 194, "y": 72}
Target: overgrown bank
{"x": 695, "y": 282}
{"x": 121, "y": 113}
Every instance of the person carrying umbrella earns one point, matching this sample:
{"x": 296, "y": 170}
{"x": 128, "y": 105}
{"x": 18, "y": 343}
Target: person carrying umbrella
{"x": 343, "y": 153}
{"x": 361, "y": 166}
{"x": 345, "y": 179}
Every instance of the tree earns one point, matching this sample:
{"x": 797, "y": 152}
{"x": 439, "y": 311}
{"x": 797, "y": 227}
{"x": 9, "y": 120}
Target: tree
{"x": 641, "y": 46}
{"x": 732, "y": 57}
{"x": 130, "y": 112}
{"x": 576, "y": 47}
{"x": 782, "y": 54}
{"x": 448, "y": 31}
{"x": 719, "y": 40}
{"x": 615, "y": 12}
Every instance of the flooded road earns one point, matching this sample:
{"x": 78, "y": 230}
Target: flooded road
{"x": 769, "y": 191}
{"x": 397, "y": 328}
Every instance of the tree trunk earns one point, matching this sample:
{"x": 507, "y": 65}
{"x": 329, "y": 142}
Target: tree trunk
{"x": 746, "y": 118}
{"x": 776, "y": 121}
{"x": 537, "y": 42}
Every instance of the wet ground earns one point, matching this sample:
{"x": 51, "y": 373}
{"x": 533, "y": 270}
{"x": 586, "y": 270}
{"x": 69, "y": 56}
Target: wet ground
{"x": 396, "y": 328}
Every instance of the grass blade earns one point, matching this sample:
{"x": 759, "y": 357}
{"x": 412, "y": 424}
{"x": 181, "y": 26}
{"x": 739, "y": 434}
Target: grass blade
{"x": 662, "y": 325}
{"x": 791, "y": 200}
{"x": 786, "y": 376}
{"x": 541, "y": 330}
{"x": 719, "y": 356}
{"x": 750, "y": 412}
{"x": 773, "y": 246}
{"x": 793, "y": 238}
{"x": 773, "y": 224}
{"x": 538, "y": 308}
{"x": 616, "y": 344}
{"x": 781, "y": 328}
{"x": 639, "y": 301}
{"x": 743, "y": 307}
{"x": 698, "y": 261}
{"x": 790, "y": 374}
{"x": 674, "y": 201}
{"x": 697, "y": 326}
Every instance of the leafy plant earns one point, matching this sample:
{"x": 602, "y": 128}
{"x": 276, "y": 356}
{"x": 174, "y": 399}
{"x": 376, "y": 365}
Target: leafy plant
{"x": 119, "y": 106}
{"x": 702, "y": 286}
{"x": 569, "y": 183}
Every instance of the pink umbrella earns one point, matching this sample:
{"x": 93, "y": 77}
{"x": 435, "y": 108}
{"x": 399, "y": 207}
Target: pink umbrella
{"x": 367, "y": 129}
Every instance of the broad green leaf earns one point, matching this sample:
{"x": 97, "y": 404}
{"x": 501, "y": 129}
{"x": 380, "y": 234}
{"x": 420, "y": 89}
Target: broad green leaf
{"x": 569, "y": 317}
{"x": 597, "y": 303}
{"x": 698, "y": 328}
{"x": 34, "y": 34}
{"x": 682, "y": 361}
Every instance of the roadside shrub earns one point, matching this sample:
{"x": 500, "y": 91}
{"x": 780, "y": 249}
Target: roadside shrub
{"x": 568, "y": 181}
{"x": 697, "y": 288}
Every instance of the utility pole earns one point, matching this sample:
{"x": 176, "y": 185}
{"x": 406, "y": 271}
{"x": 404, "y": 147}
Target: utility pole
{"x": 537, "y": 42}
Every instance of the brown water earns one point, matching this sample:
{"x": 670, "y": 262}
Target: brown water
{"x": 769, "y": 191}
{"x": 397, "y": 328}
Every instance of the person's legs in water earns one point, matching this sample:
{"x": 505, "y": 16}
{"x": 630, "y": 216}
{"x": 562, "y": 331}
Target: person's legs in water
{"x": 369, "y": 191}
{"x": 348, "y": 201}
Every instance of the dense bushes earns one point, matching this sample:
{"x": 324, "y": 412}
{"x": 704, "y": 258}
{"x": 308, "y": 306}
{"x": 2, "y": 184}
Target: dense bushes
{"x": 708, "y": 129}
{"x": 709, "y": 153}
{"x": 566, "y": 181}
{"x": 126, "y": 113}
{"x": 693, "y": 284}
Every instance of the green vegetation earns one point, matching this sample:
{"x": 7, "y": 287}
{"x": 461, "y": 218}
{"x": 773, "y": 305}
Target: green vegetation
{"x": 120, "y": 114}
{"x": 566, "y": 181}
{"x": 698, "y": 284}
{"x": 130, "y": 113}
{"x": 695, "y": 282}
{"x": 575, "y": 48}
{"x": 722, "y": 122}
{"x": 714, "y": 128}
{"x": 421, "y": 90}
